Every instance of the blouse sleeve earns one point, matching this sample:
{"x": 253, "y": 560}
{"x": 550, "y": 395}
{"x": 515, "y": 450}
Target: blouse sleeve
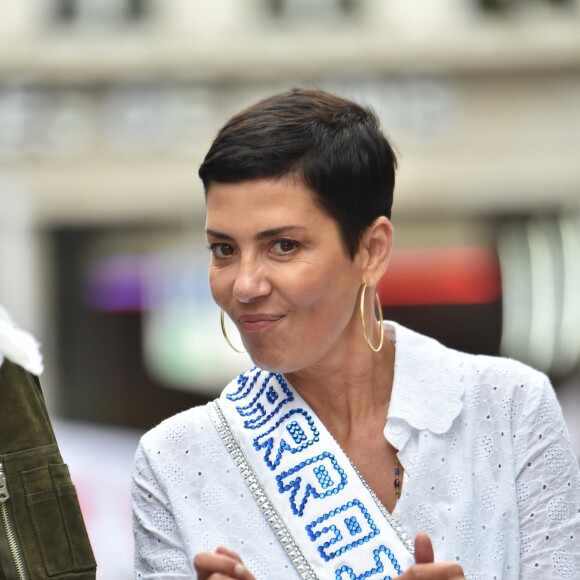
{"x": 548, "y": 490}
{"x": 159, "y": 550}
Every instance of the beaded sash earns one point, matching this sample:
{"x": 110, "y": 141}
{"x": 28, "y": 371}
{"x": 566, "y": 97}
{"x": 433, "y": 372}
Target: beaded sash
{"x": 327, "y": 518}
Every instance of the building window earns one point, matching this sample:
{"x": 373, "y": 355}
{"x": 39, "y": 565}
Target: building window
{"x": 515, "y": 6}
{"x": 306, "y": 9}
{"x": 100, "y": 13}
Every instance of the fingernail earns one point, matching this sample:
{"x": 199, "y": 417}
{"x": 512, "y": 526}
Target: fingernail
{"x": 239, "y": 569}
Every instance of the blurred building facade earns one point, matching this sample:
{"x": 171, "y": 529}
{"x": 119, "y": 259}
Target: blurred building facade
{"x": 107, "y": 108}
{"x": 105, "y": 104}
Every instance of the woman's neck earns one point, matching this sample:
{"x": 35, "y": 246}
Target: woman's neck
{"x": 346, "y": 396}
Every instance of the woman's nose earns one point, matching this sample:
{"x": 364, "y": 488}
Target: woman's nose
{"x": 251, "y": 281}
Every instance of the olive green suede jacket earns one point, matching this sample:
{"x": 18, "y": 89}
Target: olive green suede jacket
{"x": 42, "y": 533}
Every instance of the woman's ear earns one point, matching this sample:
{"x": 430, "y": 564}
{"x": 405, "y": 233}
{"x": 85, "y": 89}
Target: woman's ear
{"x": 377, "y": 243}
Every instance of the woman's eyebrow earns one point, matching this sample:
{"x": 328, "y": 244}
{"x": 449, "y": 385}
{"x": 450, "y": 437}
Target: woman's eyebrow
{"x": 218, "y": 235}
{"x": 259, "y": 236}
{"x": 277, "y": 232}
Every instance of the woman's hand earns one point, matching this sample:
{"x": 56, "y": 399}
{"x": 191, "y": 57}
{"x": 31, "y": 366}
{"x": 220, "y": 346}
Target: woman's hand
{"x": 223, "y": 564}
{"x": 426, "y": 568}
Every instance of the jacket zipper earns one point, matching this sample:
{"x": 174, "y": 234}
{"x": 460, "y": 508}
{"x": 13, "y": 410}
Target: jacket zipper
{"x": 6, "y": 524}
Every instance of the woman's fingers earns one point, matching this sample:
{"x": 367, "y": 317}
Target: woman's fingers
{"x": 441, "y": 571}
{"x": 423, "y": 549}
{"x": 222, "y": 563}
{"x": 426, "y": 568}
{"x": 227, "y": 552}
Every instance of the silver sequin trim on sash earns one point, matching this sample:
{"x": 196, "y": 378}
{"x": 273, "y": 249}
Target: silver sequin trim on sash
{"x": 274, "y": 519}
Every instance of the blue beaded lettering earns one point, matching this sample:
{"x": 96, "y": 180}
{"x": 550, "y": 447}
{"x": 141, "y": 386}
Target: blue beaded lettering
{"x": 329, "y": 524}
{"x": 379, "y": 567}
{"x": 296, "y": 432}
{"x": 266, "y": 377}
{"x": 305, "y": 485}
{"x": 302, "y": 425}
{"x": 323, "y": 476}
{"x": 243, "y": 387}
{"x": 353, "y": 526}
{"x": 264, "y": 405}
{"x": 271, "y": 395}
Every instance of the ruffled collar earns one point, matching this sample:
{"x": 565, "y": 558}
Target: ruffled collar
{"x": 18, "y": 346}
{"x": 427, "y": 389}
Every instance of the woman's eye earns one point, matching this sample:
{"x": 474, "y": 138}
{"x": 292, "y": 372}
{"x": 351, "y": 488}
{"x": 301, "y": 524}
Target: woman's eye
{"x": 284, "y": 246}
{"x": 222, "y": 251}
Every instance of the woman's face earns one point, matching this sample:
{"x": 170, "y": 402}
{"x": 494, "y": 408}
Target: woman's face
{"x": 280, "y": 271}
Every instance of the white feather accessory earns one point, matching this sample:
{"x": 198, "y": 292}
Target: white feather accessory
{"x": 19, "y": 346}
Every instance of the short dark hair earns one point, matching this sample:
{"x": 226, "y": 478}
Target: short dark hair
{"x": 333, "y": 145}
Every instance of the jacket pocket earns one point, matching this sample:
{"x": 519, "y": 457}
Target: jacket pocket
{"x": 54, "y": 511}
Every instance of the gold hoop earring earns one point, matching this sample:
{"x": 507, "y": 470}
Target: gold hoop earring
{"x": 380, "y": 319}
{"x": 224, "y": 332}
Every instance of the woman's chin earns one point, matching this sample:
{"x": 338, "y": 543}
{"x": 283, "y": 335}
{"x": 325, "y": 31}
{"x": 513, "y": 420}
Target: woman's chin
{"x": 268, "y": 361}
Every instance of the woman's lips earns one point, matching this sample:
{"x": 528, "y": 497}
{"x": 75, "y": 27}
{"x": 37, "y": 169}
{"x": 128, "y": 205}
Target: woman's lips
{"x": 256, "y": 322}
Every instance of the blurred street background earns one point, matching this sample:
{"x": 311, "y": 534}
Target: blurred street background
{"x": 107, "y": 108}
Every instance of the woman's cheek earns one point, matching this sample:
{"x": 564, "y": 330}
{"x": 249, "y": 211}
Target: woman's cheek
{"x": 217, "y": 288}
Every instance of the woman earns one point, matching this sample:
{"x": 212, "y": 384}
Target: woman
{"x": 349, "y": 436}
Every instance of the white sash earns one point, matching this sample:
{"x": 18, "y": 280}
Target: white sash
{"x": 327, "y": 518}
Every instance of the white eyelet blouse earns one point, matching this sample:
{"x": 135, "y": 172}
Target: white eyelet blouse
{"x": 489, "y": 473}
